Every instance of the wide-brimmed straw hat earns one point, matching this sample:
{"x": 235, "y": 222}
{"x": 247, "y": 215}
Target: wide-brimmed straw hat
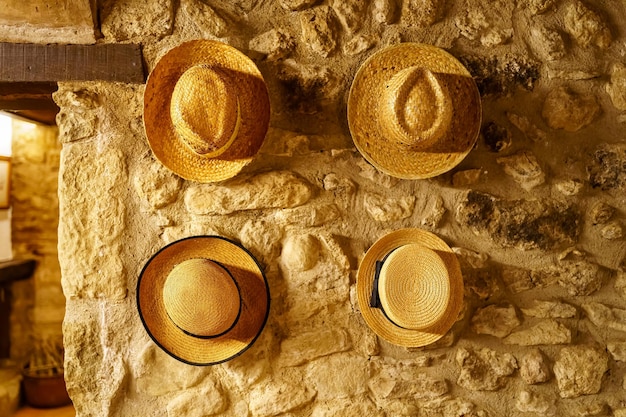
{"x": 410, "y": 287}
{"x": 203, "y": 299}
{"x": 206, "y": 110}
{"x": 414, "y": 111}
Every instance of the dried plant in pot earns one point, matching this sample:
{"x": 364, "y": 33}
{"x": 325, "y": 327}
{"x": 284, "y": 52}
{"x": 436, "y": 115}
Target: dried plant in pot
{"x": 43, "y": 382}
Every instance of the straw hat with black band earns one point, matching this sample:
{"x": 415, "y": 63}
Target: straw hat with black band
{"x": 410, "y": 287}
{"x": 206, "y": 110}
{"x": 414, "y": 111}
{"x": 203, "y": 299}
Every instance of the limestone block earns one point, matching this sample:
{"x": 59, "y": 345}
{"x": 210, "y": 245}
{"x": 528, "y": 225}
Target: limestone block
{"x": 586, "y": 26}
{"x": 421, "y": 13}
{"x": 433, "y": 213}
{"x": 524, "y": 224}
{"x": 534, "y": 368}
{"x": 349, "y": 407}
{"x": 466, "y": 178}
{"x": 262, "y": 238}
{"x": 568, "y": 110}
{"x": 545, "y": 332}
{"x": 529, "y": 129}
{"x": 601, "y": 213}
{"x": 384, "y": 11}
{"x": 300, "y": 252}
{"x": 156, "y": 186}
{"x": 539, "y": 6}
{"x": 472, "y": 23}
{"x": 92, "y": 222}
{"x": 318, "y": 30}
{"x": 337, "y": 184}
{"x": 308, "y": 86}
{"x": 384, "y": 209}
{"x": 274, "y": 44}
{"x": 605, "y": 317}
{"x": 250, "y": 368}
{"x": 350, "y": 13}
{"x": 546, "y": 43}
{"x": 359, "y": 43}
{"x": 607, "y": 169}
{"x": 530, "y": 402}
{"x": 297, "y": 4}
{"x": 616, "y": 87}
{"x": 305, "y": 347}
{"x": 550, "y": 309}
{"x": 470, "y": 259}
{"x": 579, "y": 276}
{"x": 481, "y": 282}
{"x": 78, "y": 117}
{"x": 124, "y": 20}
{"x": 495, "y": 320}
{"x": 402, "y": 383}
{"x": 617, "y": 350}
{"x": 569, "y": 187}
{"x": 484, "y": 369}
{"x": 180, "y": 376}
{"x": 270, "y": 400}
{"x": 342, "y": 375}
{"x": 579, "y": 370}
{"x": 207, "y": 400}
{"x": 524, "y": 168}
{"x": 613, "y": 230}
{"x": 371, "y": 173}
{"x": 205, "y": 18}
{"x": 309, "y": 215}
{"x": 620, "y": 283}
{"x": 275, "y": 189}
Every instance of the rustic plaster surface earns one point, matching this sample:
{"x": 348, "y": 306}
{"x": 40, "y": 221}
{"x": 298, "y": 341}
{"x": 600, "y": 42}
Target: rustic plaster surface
{"x": 535, "y": 213}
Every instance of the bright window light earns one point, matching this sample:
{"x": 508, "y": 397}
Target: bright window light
{"x": 6, "y": 135}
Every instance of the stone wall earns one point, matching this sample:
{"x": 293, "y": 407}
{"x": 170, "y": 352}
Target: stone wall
{"x": 535, "y": 213}
{"x": 39, "y": 304}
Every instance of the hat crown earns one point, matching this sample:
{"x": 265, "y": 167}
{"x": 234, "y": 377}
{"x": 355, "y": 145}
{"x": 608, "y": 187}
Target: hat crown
{"x": 417, "y": 109}
{"x": 205, "y": 110}
{"x": 414, "y": 287}
{"x": 201, "y": 298}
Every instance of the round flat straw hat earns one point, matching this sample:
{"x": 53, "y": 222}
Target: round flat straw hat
{"x": 203, "y": 299}
{"x": 410, "y": 287}
{"x": 414, "y": 111}
{"x": 206, "y": 110}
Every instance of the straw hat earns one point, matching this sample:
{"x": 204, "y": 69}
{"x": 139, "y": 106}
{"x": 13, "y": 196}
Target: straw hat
{"x": 203, "y": 299}
{"x": 413, "y": 111}
{"x": 410, "y": 287}
{"x": 206, "y": 110}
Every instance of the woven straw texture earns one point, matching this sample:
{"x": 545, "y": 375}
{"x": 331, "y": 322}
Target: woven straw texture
{"x": 247, "y": 274}
{"x": 414, "y": 111}
{"x": 416, "y": 324}
{"x": 176, "y": 113}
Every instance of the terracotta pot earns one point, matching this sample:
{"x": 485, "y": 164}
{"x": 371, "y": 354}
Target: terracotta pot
{"x": 45, "y": 391}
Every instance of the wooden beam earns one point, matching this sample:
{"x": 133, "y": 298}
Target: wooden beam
{"x": 53, "y": 63}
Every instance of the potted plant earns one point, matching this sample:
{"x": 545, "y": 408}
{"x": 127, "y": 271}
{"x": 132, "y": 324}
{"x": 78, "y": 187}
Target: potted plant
{"x": 43, "y": 382}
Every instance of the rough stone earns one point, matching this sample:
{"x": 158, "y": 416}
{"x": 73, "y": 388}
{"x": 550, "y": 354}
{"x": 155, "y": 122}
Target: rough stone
{"x": 529, "y": 402}
{"x": 534, "y": 368}
{"x": 607, "y": 169}
{"x": 275, "y": 189}
{"x": 484, "y": 369}
{"x": 297, "y": 4}
{"x": 305, "y": 347}
{"x": 616, "y": 87}
{"x": 156, "y": 186}
{"x": 620, "y": 284}
{"x": 421, "y": 13}
{"x": 307, "y": 86}
{"x": 579, "y": 370}
{"x": 579, "y": 276}
{"x": 359, "y": 43}
{"x": 495, "y": 320}
{"x": 613, "y": 230}
{"x": 496, "y": 137}
{"x": 433, "y": 213}
{"x": 617, "y": 350}
{"x": 318, "y": 30}
{"x": 586, "y": 26}
{"x": 270, "y": 400}
{"x": 207, "y": 400}
{"x": 540, "y": 6}
{"x": 524, "y": 168}
{"x": 300, "y": 252}
{"x": 351, "y": 13}
{"x": 384, "y": 209}
{"x": 569, "y": 187}
{"x": 125, "y": 20}
{"x": 518, "y": 280}
{"x": 342, "y": 375}
{"x": 568, "y": 110}
{"x": 601, "y": 213}
{"x": 470, "y": 259}
{"x": 466, "y": 178}
{"x": 262, "y": 238}
{"x": 274, "y": 44}
{"x": 309, "y": 215}
{"x": 405, "y": 380}
{"x": 545, "y": 332}
{"x": 550, "y": 309}
{"x": 523, "y": 224}
{"x": 384, "y": 11}
{"x": 352, "y": 407}
{"x": 205, "y": 18}
{"x": 605, "y": 317}
{"x": 528, "y": 128}
{"x": 547, "y": 43}
{"x": 78, "y": 117}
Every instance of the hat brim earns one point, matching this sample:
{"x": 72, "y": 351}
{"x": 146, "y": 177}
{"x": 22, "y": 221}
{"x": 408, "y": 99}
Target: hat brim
{"x": 253, "y": 102}
{"x": 376, "y": 319}
{"x": 254, "y": 291}
{"x": 364, "y": 112}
